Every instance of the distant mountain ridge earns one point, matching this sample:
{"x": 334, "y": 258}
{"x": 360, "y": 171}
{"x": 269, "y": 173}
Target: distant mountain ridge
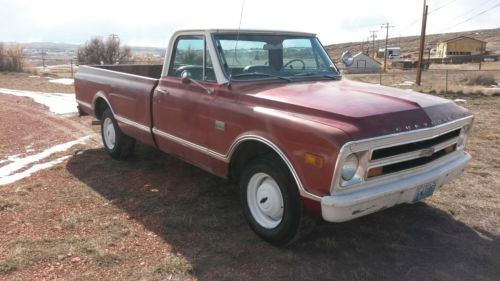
{"x": 408, "y": 44}
{"x": 54, "y": 46}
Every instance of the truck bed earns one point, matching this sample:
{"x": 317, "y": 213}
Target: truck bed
{"x": 128, "y": 88}
{"x": 151, "y": 71}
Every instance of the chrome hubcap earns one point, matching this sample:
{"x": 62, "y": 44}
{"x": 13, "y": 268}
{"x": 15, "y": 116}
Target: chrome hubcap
{"x": 109, "y": 133}
{"x": 265, "y": 200}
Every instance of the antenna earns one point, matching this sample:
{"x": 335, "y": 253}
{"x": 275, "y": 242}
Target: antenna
{"x": 237, "y": 39}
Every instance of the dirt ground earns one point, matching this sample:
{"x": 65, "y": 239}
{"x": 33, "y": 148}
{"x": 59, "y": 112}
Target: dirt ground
{"x": 154, "y": 217}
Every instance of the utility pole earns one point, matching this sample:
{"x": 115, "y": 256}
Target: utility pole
{"x": 373, "y": 36}
{"x": 43, "y": 58}
{"x": 422, "y": 44}
{"x": 386, "y": 26}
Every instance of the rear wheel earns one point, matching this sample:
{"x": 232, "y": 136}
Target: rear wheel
{"x": 271, "y": 202}
{"x": 117, "y": 144}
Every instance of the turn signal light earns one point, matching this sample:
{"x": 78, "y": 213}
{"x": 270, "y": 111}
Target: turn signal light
{"x": 375, "y": 172}
{"x": 449, "y": 149}
{"x": 313, "y": 160}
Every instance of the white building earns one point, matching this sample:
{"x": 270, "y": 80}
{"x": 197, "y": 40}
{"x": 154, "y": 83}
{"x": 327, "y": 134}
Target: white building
{"x": 392, "y": 52}
{"x": 364, "y": 64}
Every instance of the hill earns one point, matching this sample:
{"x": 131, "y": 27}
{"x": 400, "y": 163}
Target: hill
{"x": 409, "y": 44}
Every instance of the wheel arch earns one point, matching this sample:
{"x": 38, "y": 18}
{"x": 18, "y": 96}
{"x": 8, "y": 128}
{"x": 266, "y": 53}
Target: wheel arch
{"x": 247, "y": 148}
{"x": 100, "y": 104}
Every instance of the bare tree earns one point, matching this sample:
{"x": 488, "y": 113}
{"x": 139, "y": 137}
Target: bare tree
{"x": 11, "y": 58}
{"x": 99, "y": 51}
{"x": 2, "y": 57}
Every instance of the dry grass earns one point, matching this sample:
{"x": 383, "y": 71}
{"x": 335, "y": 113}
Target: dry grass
{"x": 23, "y": 81}
{"x": 434, "y": 81}
{"x": 481, "y": 79}
{"x": 6, "y": 204}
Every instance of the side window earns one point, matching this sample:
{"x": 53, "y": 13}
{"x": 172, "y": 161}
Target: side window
{"x": 190, "y": 54}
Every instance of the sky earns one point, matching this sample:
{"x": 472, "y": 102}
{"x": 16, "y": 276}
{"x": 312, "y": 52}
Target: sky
{"x": 150, "y": 23}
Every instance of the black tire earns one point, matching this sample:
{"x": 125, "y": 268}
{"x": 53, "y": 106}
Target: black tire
{"x": 123, "y": 145}
{"x": 295, "y": 224}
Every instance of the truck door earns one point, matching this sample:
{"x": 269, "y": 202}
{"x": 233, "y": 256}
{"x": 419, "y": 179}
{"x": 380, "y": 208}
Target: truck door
{"x": 180, "y": 108}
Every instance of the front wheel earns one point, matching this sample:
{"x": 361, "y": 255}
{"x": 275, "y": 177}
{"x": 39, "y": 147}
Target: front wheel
{"x": 271, "y": 202}
{"x": 117, "y": 144}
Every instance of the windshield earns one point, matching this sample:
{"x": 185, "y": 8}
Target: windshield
{"x": 265, "y": 56}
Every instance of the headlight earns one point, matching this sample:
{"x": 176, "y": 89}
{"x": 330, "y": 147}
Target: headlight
{"x": 350, "y": 167}
{"x": 462, "y": 138}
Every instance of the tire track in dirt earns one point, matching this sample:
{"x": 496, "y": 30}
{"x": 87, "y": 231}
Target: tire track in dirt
{"x": 29, "y": 128}
{"x": 25, "y": 123}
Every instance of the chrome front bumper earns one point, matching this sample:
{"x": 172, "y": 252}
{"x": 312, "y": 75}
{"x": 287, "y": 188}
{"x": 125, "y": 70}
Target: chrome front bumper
{"x": 380, "y": 194}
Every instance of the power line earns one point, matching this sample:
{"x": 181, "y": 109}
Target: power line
{"x": 470, "y": 11}
{"x": 468, "y": 19}
{"x": 442, "y": 6}
{"x": 432, "y": 11}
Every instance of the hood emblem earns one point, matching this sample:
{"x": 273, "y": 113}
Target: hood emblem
{"x": 427, "y": 152}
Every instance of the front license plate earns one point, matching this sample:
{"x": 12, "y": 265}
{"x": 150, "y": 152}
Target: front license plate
{"x": 424, "y": 191}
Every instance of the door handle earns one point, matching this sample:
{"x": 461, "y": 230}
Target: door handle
{"x": 162, "y": 91}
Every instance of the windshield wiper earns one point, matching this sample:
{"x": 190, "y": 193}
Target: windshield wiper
{"x": 262, "y": 74}
{"x": 334, "y": 77}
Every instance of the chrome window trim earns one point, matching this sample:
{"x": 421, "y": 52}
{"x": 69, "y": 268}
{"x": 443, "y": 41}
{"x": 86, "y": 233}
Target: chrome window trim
{"x": 390, "y": 141}
{"x": 219, "y": 76}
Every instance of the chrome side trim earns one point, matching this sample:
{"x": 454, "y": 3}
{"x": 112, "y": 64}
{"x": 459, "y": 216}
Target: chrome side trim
{"x": 191, "y": 145}
{"x": 132, "y": 123}
{"x": 302, "y": 190}
{"x": 222, "y": 157}
{"x": 389, "y": 141}
{"x": 86, "y": 104}
{"x": 100, "y": 94}
{"x": 117, "y": 117}
{"x": 227, "y": 156}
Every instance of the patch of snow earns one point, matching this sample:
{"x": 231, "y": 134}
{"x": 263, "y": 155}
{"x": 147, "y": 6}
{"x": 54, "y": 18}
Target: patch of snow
{"x": 34, "y": 76}
{"x": 405, "y": 83}
{"x": 459, "y": 100}
{"x": 35, "y": 168}
{"x": 19, "y": 163}
{"x": 57, "y": 102}
{"x": 63, "y": 81}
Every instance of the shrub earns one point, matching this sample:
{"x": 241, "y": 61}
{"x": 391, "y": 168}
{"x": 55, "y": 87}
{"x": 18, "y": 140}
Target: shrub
{"x": 479, "y": 79}
{"x": 11, "y": 58}
{"x": 100, "y": 51}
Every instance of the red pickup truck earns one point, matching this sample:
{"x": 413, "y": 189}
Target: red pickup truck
{"x": 269, "y": 110}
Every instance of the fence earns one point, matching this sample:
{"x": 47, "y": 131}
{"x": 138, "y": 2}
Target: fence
{"x": 444, "y": 81}
{"x": 67, "y": 67}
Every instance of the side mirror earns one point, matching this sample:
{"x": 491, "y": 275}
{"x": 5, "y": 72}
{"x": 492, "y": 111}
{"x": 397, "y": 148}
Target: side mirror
{"x": 186, "y": 76}
{"x": 347, "y": 58}
{"x": 186, "y": 79}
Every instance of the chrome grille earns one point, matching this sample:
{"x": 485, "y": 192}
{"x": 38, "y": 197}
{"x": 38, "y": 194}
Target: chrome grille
{"x": 401, "y": 157}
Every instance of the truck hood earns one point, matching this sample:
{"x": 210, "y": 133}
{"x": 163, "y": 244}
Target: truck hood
{"x": 361, "y": 110}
